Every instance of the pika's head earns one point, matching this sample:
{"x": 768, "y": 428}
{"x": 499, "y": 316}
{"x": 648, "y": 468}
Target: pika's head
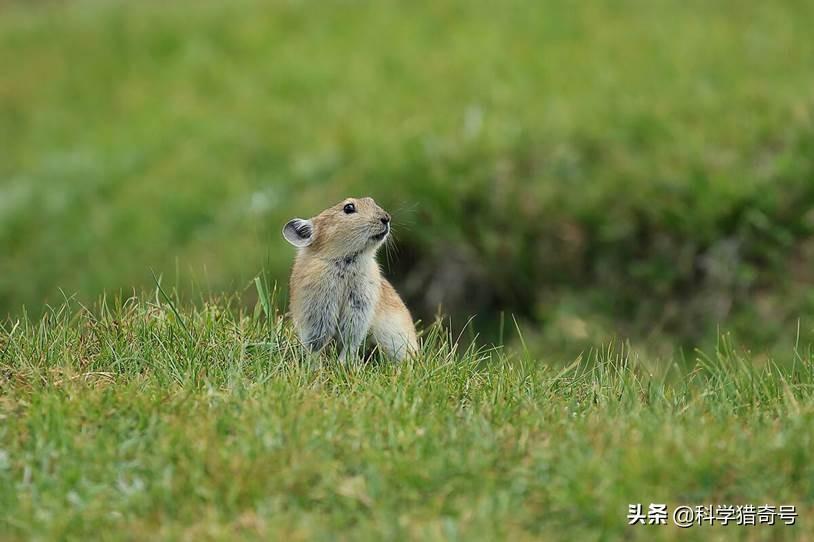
{"x": 352, "y": 226}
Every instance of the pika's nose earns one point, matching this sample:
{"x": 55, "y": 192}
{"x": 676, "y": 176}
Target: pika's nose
{"x": 385, "y": 219}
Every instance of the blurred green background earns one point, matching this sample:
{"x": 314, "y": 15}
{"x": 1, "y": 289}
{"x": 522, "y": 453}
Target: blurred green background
{"x": 631, "y": 169}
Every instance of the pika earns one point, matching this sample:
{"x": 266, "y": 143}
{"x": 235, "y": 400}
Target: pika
{"x": 337, "y": 290}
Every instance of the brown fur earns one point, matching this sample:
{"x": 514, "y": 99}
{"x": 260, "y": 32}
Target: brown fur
{"x": 337, "y": 290}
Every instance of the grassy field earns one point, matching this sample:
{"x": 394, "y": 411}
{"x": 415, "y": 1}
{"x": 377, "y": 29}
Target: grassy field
{"x": 627, "y": 172}
{"x": 143, "y": 419}
{"x": 601, "y": 169}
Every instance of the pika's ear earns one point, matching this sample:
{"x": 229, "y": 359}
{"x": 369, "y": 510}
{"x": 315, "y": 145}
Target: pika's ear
{"x": 299, "y": 232}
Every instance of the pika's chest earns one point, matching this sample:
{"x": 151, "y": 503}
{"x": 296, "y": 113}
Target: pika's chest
{"x": 356, "y": 286}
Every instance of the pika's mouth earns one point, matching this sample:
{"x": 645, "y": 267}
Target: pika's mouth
{"x": 381, "y": 235}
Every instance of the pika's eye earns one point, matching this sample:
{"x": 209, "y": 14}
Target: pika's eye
{"x": 349, "y": 208}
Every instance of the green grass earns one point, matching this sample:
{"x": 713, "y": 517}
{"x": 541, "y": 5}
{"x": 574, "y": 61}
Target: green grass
{"x": 614, "y": 168}
{"x": 605, "y": 168}
{"x": 144, "y": 419}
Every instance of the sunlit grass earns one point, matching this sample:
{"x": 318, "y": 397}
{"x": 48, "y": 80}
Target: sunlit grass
{"x": 144, "y": 418}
